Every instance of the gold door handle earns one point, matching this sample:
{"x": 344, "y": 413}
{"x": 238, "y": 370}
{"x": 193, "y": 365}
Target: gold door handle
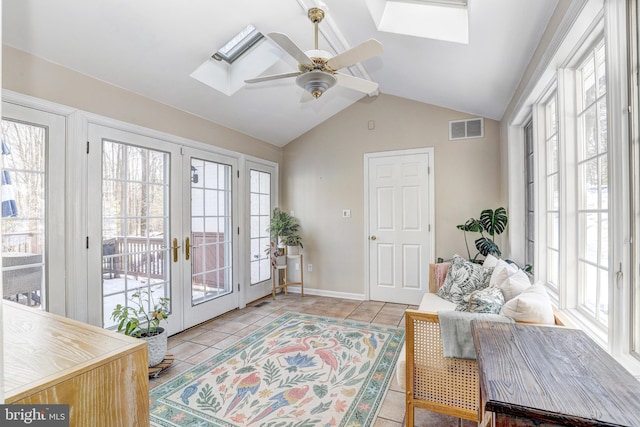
{"x": 175, "y": 250}
{"x": 373, "y": 237}
{"x": 187, "y": 248}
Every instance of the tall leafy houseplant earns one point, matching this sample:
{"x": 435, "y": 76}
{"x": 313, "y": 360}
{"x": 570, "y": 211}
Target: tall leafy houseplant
{"x": 281, "y": 226}
{"x": 493, "y": 223}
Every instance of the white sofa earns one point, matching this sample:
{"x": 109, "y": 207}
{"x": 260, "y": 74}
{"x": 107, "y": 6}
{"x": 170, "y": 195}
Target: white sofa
{"x": 445, "y": 385}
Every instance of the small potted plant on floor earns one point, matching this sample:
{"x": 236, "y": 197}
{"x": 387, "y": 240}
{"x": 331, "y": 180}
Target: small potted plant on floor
{"x": 142, "y": 320}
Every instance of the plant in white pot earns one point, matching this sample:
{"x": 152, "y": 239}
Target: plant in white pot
{"x": 282, "y": 225}
{"x": 142, "y": 320}
{"x": 294, "y": 243}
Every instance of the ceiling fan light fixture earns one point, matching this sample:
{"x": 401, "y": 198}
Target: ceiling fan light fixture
{"x": 316, "y": 82}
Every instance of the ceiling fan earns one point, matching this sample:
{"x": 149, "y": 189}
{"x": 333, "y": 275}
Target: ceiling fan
{"x": 317, "y": 71}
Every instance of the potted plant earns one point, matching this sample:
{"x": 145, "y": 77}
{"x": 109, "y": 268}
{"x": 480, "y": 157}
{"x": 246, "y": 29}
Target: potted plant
{"x": 293, "y": 243}
{"x": 276, "y": 254}
{"x": 281, "y": 225}
{"x": 491, "y": 222}
{"x": 142, "y": 320}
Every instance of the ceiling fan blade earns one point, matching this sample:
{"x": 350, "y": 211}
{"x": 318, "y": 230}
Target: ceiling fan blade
{"x": 362, "y": 52}
{"x": 356, "y": 83}
{"x": 290, "y": 47}
{"x": 273, "y": 77}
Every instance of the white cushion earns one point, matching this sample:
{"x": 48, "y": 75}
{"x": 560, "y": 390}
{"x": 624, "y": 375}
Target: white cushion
{"x": 531, "y": 306}
{"x": 501, "y": 271}
{"x": 514, "y": 284}
{"x": 490, "y": 261}
{"x": 432, "y": 303}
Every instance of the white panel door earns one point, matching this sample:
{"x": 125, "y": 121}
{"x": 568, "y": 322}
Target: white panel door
{"x": 399, "y": 218}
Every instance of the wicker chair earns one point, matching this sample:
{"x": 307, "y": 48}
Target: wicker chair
{"x": 433, "y": 382}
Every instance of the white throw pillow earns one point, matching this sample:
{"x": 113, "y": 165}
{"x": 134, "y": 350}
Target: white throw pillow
{"x": 514, "y": 284}
{"x": 490, "y": 261}
{"x": 531, "y": 306}
{"x": 501, "y": 271}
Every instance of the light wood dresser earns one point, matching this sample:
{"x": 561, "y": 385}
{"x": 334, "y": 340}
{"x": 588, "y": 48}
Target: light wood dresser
{"x": 542, "y": 376}
{"x": 49, "y": 359}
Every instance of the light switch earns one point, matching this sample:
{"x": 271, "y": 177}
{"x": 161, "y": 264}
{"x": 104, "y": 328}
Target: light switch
{"x": 346, "y": 213}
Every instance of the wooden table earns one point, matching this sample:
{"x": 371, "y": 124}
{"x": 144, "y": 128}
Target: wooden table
{"x": 550, "y": 376}
{"x": 50, "y": 359}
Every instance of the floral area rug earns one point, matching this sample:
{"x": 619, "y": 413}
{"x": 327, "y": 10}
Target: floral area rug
{"x": 297, "y": 371}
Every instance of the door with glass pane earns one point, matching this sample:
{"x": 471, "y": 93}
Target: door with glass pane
{"x": 210, "y": 243}
{"x": 33, "y": 235}
{"x": 261, "y": 181}
{"x": 134, "y": 223}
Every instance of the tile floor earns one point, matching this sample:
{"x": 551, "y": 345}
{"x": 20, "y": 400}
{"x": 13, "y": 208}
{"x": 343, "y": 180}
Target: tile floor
{"x": 203, "y": 341}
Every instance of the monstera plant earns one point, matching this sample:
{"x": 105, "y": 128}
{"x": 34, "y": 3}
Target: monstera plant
{"x": 490, "y": 224}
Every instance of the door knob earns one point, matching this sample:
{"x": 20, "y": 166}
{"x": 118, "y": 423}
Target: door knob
{"x": 373, "y": 237}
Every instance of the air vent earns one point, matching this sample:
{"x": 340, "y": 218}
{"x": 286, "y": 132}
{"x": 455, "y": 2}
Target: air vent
{"x": 465, "y": 129}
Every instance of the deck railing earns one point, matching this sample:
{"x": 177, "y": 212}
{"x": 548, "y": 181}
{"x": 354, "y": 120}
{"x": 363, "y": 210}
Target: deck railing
{"x": 142, "y": 257}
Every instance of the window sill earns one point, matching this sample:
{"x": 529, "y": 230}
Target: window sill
{"x": 599, "y": 336}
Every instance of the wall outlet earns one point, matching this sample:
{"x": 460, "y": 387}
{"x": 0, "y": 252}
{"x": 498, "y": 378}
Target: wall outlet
{"x": 309, "y": 267}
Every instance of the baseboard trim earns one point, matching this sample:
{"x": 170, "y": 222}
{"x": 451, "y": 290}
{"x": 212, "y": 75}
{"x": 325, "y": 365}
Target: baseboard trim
{"x": 323, "y": 293}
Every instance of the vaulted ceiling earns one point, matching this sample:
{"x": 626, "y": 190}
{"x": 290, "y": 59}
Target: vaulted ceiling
{"x": 151, "y": 47}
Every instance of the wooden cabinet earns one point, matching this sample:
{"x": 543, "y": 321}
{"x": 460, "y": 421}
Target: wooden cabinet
{"x": 49, "y": 359}
{"x": 550, "y": 376}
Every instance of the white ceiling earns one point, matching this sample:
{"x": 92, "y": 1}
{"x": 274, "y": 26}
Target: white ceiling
{"x": 150, "y": 47}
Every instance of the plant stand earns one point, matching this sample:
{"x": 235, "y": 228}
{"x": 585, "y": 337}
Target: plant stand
{"x": 282, "y": 280}
{"x": 155, "y": 371}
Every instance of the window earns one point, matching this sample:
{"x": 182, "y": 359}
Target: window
{"x": 238, "y": 45}
{"x": 552, "y": 186}
{"x": 529, "y": 192}
{"x": 587, "y": 241}
{"x": 23, "y": 211}
{"x": 33, "y": 223}
{"x": 592, "y": 185}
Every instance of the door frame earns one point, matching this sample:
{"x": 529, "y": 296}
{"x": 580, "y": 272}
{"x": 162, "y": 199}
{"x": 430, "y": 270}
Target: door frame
{"x": 429, "y": 151}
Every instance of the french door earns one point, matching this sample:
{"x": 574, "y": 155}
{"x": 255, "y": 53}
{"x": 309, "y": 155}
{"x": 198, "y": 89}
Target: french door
{"x": 210, "y": 249}
{"x": 261, "y": 191}
{"x": 164, "y": 226}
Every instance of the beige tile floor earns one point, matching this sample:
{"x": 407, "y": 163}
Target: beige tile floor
{"x": 203, "y": 341}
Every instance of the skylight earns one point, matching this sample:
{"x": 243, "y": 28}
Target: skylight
{"x": 446, "y": 20}
{"x": 238, "y": 45}
{"x": 246, "y": 55}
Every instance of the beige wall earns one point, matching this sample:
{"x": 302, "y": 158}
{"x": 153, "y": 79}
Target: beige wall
{"x": 323, "y": 174}
{"x": 30, "y": 75}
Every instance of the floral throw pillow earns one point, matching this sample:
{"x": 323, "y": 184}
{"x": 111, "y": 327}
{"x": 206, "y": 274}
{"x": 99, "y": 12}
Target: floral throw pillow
{"x": 463, "y": 278}
{"x": 487, "y": 300}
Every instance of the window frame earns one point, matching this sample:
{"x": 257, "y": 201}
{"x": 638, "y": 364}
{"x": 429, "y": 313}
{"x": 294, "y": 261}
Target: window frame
{"x": 582, "y": 22}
